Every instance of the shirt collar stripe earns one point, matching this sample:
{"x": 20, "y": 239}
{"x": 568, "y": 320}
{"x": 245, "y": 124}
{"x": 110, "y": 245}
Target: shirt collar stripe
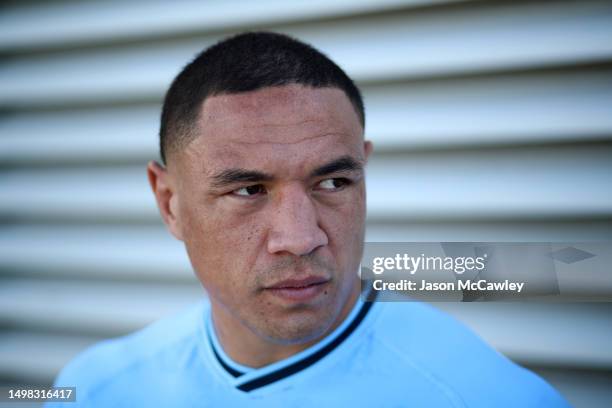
{"x": 227, "y": 368}
{"x": 307, "y": 361}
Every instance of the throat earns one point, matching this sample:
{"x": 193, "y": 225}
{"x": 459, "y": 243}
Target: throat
{"x": 248, "y": 348}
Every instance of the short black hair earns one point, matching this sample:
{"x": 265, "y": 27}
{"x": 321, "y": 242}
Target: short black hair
{"x": 242, "y": 63}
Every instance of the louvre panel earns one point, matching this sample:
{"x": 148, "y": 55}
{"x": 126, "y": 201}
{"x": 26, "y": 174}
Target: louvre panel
{"x": 491, "y": 120}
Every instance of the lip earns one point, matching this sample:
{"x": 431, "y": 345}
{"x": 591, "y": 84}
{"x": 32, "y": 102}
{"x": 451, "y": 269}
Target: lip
{"x": 299, "y": 290}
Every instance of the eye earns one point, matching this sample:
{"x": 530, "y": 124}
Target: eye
{"x": 249, "y": 191}
{"x": 333, "y": 184}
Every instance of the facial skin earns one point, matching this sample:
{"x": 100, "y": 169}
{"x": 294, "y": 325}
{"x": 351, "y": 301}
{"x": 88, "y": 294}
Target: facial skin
{"x": 269, "y": 200}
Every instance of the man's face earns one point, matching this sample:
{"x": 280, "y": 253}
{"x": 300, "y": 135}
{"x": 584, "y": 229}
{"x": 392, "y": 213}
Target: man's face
{"x": 271, "y": 207}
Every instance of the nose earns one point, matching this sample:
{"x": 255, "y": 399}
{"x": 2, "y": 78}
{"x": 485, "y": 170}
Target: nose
{"x": 295, "y": 226}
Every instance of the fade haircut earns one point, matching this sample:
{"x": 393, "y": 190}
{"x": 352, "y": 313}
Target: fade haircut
{"x": 243, "y": 63}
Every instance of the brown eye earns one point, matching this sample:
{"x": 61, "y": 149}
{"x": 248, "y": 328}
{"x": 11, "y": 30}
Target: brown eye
{"x": 333, "y": 184}
{"x": 249, "y": 191}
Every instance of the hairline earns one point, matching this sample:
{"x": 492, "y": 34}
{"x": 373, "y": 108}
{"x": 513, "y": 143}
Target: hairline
{"x": 191, "y": 128}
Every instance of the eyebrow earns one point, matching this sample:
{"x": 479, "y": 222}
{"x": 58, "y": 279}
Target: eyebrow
{"x": 344, "y": 163}
{"x": 235, "y": 176}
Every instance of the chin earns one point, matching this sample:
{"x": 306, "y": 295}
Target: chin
{"x": 300, "y": 330}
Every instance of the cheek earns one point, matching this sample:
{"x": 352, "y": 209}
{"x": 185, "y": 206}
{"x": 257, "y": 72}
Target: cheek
{"x": 221, "y": 248}
{"x": 344, "y": 224}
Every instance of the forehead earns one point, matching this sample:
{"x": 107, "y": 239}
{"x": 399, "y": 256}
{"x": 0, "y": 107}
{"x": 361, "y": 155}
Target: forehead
{"x": 275, "y": 126}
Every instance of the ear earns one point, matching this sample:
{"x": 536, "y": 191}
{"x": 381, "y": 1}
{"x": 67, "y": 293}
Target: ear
{"x": 166, "y": 197}
{"x": 368, "y": 147}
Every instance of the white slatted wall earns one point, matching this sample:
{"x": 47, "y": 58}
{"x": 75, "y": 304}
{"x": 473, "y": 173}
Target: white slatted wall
{"x": 492, "y": 120}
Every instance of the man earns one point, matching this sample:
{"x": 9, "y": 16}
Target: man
{"x": 262, "y": 140}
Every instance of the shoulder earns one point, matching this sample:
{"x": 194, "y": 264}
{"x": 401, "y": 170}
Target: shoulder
{"x": 123, "y": 361}
{"x": 459, "y": 361}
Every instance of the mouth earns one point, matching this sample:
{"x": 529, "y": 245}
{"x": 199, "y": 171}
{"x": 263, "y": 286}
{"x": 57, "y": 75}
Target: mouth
{"x": 299, "y": 290}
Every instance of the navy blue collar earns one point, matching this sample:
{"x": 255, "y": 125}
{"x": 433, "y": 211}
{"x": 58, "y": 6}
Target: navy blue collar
{"x": 291, "y": 365}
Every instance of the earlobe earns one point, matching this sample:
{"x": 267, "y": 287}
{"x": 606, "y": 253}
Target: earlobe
{"x": 165, "y": 196}
{"x": 175, "y": 225}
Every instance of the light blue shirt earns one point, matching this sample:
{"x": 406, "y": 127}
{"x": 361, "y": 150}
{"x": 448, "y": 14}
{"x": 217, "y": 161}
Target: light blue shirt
{"x": 384, "y": 354}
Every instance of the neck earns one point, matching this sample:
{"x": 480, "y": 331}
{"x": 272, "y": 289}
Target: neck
{"x": 247, "y": 348}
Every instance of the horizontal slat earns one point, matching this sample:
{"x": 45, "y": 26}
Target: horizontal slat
{"x": 581, "y": 388}
{"x": 120, "y": 193}
{"x": 560, "y": 230}
{"x": 535, "y": 183}
{"x": 95, "y": 252}
{"x": 528, "y": 108}
{"x": 421, "y": 47}
{"x": 109, "y": 135}
{"x": 538, "y": 334}
{"x": 532, "y": 183}
{"x": 97, "y": 308}
{"x": 565, "y": 106}
{"x": 24, "y": 28}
